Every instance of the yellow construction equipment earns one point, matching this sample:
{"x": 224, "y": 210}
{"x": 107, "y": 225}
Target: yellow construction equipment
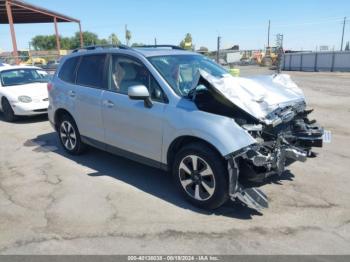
{"x": 268, "y": 57}
{"x": 35, "y": 61}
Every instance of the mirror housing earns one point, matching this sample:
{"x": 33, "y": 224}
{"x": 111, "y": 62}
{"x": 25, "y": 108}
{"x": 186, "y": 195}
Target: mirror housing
{"x": 140, "y": 92}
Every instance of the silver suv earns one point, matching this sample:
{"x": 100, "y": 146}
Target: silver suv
{"x": 180, "y": 111}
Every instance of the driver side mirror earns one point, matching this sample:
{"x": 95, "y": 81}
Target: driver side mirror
{"x": 140, "y": 92}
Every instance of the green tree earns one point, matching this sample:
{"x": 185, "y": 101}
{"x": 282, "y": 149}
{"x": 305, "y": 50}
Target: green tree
{"x": 66, "y": 43}
{"x": 114, "y": 40}
{"x": 48, "y": 42}
{"x": 44, "y": 42}
{"x": 89, "y": 38}
{"x": 102, "y": 42}
{"x": 203, "y": 49}
{"x": 187, "y": 42}
{"x": 137, "y": 44}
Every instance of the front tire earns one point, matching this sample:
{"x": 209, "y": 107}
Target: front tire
{"x": 201, "y": 176}
{"x": 9, "y": 114}
{"x": 69, "y": 136}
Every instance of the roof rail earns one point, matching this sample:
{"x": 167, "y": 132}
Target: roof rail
{"x": 95, "y": 47}
{"x": 160, "y": 46}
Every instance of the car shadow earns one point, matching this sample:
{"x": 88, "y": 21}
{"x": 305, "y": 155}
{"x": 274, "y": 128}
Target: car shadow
{"x": 150, "y": 180}
{"x": 20, "y": 120}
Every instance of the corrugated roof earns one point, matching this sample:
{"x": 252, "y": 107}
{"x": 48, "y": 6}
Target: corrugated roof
{"x": 24, "y": 13}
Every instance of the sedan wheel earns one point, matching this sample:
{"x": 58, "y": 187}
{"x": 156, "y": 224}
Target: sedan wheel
{"x": 8, "y": 111}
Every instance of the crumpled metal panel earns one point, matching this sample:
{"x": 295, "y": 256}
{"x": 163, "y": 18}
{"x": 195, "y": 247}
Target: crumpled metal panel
{"x": 258, "y": 96}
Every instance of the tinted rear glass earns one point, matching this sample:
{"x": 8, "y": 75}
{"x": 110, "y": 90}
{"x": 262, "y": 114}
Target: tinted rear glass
{"x": 67, "y": 72}
{"x": 90, "y": 72}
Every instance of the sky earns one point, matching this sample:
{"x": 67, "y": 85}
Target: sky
{"x": 304, "y": 24}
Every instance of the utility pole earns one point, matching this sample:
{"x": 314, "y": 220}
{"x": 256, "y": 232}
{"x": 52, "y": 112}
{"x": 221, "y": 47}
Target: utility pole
{"x": 268, "y": 34}
{"x": 342, "y": 36}
{"x": 218, "y": 49}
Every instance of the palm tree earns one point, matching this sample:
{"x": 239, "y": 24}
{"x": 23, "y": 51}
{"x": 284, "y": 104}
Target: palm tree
{"x": 113, "y": 39}
{"x": 127, "y": 35}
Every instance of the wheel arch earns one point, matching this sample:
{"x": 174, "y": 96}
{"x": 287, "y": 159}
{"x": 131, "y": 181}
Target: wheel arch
{"x": 58, "y": 115}
{"x": 3, "y": 97}
{"x": 181, "y": 141}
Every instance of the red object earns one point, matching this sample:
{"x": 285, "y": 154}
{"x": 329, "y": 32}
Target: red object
{"x": 49, "y": 86}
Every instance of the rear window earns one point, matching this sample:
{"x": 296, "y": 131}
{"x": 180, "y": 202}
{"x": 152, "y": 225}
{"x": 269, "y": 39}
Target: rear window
{"x": 90, "y": 72}
{"x": 67, "y": 72}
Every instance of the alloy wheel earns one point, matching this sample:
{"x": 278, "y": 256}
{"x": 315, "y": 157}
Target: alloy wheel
{"x": 68, "y": 135}
{"x": 197, "y": 177}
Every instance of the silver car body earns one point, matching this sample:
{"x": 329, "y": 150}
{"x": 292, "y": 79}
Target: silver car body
{"x": 147, "y": 132}
{"x": 114, "y": 122}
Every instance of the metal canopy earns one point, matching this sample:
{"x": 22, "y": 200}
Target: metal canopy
{"x": 19, "y": 12}
{"x": 24, "y": 13}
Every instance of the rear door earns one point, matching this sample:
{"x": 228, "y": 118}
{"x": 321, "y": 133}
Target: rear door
{"x": 129, "y": 125}
{"x": 90, "y": 84}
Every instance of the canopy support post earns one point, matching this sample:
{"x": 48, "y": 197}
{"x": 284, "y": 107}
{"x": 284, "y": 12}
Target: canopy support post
{"x": 58, "y": 44}
{"x": 12, "y": 29}
{"x": 81, "y": 36}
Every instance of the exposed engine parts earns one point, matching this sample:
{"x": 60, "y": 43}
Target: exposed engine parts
{"x": 272, "y": 110}
{"x": 276, "y": 147}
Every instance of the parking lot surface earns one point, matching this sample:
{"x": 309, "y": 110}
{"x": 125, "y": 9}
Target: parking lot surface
{"x": 53, "y": 203}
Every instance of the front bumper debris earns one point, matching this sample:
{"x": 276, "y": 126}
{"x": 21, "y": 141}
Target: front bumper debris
{"x": 276, "y": 148}
{"x": 252, "y": 197}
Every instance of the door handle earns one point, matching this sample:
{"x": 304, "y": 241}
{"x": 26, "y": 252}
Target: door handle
{"x": 72, "y": 94}
{"x": 108, "y": 103}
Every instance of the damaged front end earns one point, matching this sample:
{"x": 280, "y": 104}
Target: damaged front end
{"x": 278, "y": 121}
{"x": 277, "y": 147}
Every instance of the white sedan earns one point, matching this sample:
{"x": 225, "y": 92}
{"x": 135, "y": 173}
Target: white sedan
{"x": 23, "y": 91}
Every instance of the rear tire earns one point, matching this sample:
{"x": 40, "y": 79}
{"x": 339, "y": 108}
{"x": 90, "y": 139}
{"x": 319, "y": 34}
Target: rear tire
{"x": 69, "y": 136}
{"x": 9, "y": 114}
{"x": 200, "y": 174}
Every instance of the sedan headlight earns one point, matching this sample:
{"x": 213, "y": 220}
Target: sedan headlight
{"x": 25, "y": 99}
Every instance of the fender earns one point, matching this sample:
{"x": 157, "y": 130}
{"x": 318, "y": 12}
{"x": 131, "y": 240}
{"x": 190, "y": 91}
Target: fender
{"x": 220, "y": 131}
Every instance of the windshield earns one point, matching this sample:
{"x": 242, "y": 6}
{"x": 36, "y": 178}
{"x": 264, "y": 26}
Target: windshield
{"x": 22, "y": 76}
{"x": 181, "y": 71}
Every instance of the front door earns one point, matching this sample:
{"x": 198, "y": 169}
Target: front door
{"x": 129, "y": 125}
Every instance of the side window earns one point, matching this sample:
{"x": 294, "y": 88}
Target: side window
{"x": 126, "y": 72}
{"x": 90, "y": 71}
{"x": 67, "y": 72}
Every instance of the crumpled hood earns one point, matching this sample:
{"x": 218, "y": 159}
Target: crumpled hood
{"x": 258, "y": 96}
{"x": 34, "y": 90}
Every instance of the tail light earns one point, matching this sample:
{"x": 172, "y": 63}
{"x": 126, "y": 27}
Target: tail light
{"x": 49, "y": 86}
